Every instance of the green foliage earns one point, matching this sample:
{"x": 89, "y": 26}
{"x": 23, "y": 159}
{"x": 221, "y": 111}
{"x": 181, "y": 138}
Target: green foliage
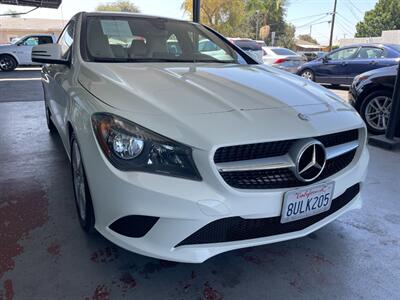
{"x": 123, "y": 6}
{"x": 384, "y": 16}
{"x": 307, "y": 38}
{"x": 287, "y": 39}
{"x": 227, "y": 17}
{"x": 265, "y": 12}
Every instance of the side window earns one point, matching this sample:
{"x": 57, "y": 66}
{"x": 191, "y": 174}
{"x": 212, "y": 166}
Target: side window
{"x": 45, "y": 40}
{"x": 31, "y": 41}
{"x": 370, "y": 53}
{"x": 173, "y": 45}
{"x": 207, "y": 47}
{"x": 66, "y": 39}
{"x": 343, "y": 54}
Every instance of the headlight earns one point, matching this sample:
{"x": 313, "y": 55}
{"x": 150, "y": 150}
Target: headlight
{"x": 130, "y": 147}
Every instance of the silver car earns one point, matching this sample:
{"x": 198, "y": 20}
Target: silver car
{"x": 282, "y": 58}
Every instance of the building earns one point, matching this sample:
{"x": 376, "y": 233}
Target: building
{"x": 307, "y": 46}
{"x": 388, "y": 37}
{"x": 10, "y": 28}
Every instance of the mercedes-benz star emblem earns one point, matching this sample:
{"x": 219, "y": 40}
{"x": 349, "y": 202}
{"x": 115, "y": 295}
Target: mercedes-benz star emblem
{"x": 310, "y": 161}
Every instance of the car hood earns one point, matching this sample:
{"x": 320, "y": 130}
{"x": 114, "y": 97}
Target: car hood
{"x": 198, "y": 104}
{"x": 198, "y": 89}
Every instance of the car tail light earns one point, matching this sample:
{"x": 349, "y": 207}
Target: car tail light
{"x": 280, "y": 60}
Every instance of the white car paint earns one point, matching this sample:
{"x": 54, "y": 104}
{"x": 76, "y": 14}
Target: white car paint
{"x": 21, "y": 51}
{"x": 205, "y": 106}
{"x": 290, "y": 61}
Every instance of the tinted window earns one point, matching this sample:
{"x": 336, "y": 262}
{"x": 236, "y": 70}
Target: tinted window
{"x": 370, "y": 53}
{"x": 45, "y": 40}
{"x": 153, "y": 39}
{"x": 283, "y": 51}
{"x": 248, "y": 45}
{"x": 343, "y": 54}
{"x": 66, "y": 39}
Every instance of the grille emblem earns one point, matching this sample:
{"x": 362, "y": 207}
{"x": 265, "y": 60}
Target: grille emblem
{"x": 311, "y": 161}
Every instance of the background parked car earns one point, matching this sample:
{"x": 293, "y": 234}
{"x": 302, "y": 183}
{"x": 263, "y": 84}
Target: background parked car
{"x": 342, "y": 65}
{"x": 371, "y": 94}
{"x": 249, "y": 46}
{"x": 312, "y": 55}
{"x": 19, "y": 52}
{"x": 282, "y": 58}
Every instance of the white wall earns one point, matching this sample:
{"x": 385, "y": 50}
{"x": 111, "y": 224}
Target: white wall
{"x": 388, "y": 37}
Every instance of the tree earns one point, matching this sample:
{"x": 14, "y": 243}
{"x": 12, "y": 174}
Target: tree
{"x": 384, "y": 16}
{"x": 265, "y": 12}
{"x": 227, "y": 17}
{"x": 286, "y": 39}
{"x": 123, "y": 6}
{"x": 307, "y": 38}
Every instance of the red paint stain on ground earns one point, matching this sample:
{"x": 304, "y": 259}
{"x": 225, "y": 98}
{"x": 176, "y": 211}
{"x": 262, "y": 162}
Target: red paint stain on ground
{"x": 210, "y": 293}
{"x": 106, "y": 255}
{"x": 54, "y": 249}
{"x": 126, "y": 283}
{"x": 320, "y": 259}
{"x": 8, "y": 290}
{"x": 23, "y": 207}
{"x": 100, "y": 293}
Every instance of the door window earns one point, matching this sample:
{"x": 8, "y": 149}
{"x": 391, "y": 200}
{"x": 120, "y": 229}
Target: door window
{"x": 66, "y": 39}
{"x": 45, "y": 40}
{"x": 343, "y": 54}
{"x": 370, "y": 53}
{"x": 31, "y": 41}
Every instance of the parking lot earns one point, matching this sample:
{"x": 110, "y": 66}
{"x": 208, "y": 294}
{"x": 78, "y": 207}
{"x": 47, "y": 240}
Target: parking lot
{"x": 45, "y": 255}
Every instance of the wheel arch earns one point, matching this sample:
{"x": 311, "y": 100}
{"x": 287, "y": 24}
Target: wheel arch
{"x": 12, "y": 55}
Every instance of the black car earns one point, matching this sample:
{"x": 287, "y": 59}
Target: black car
{"x": 342, "y": 65}
{"x": 371, "y": 94}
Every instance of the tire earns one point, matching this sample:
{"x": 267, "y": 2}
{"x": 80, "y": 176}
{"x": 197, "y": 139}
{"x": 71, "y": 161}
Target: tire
{"x": 308, "y": 74}
{"x": 7, "y": 63}
{"x": 50, "y": 125}
{"x": 83, "y": 200}
{"x": 375, "y": 111}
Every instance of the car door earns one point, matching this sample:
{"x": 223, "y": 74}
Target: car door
{"x": 334, "y": 68}
{"x": 24, "y": 49}
{"x": 58, "y": 82}
{"x": 367, "y": 58}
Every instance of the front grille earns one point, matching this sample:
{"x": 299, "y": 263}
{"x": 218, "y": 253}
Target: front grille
{"x": 238, "y": 229}
{"x": 280, "y": 178}
{"x": 270, "y": 149}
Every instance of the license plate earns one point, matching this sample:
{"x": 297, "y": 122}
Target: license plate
{"x": 302, "y": 203}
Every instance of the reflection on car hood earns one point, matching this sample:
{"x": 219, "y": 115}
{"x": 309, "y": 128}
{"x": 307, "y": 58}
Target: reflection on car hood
{"x": 199, "y": 104}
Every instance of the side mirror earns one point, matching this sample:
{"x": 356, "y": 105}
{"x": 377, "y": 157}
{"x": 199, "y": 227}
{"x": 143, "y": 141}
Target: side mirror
{"x": 325, "y": 59}
{"x": 48, "y": 54}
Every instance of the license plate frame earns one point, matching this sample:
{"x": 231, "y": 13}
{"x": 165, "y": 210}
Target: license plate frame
{"x": 305, "y": 202}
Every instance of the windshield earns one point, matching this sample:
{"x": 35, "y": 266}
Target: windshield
{"x": 16, "y": 40}
{"x": 143, "y": 39}
{"x": 283, "y": 51}
{"x": 248, "y": 45}
{"x": 395, "y": 47}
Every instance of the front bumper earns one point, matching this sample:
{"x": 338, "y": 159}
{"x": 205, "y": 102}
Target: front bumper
{"x": 183, "y": 207}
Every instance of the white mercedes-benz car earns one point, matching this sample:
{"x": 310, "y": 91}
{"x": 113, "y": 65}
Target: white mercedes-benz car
{"x": 181, "y": 153}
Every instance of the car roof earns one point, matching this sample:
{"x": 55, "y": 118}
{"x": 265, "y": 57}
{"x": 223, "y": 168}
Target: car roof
{"x": 366, "y": 45}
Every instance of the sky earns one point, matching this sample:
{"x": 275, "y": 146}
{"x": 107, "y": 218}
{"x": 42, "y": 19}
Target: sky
{"x": 301, "y": 13}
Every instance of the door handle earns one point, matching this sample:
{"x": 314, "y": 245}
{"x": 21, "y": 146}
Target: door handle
{"x": 373, "y": 63}
{"x": 344, "y": 63}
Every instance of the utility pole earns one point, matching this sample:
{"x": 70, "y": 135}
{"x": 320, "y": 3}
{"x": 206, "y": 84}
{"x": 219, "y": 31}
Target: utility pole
{"x": 196, "y": 11}
{"x": 332, "y": 26}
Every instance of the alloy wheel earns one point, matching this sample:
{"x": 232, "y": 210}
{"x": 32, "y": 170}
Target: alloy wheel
{"x": 307, "y": 75}
{"x": 7, "y": 63}
{"x": 377, "y": 112}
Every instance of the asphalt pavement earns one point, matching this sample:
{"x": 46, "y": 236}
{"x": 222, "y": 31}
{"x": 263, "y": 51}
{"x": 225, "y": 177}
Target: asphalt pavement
{"x": 45, "y": 255}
